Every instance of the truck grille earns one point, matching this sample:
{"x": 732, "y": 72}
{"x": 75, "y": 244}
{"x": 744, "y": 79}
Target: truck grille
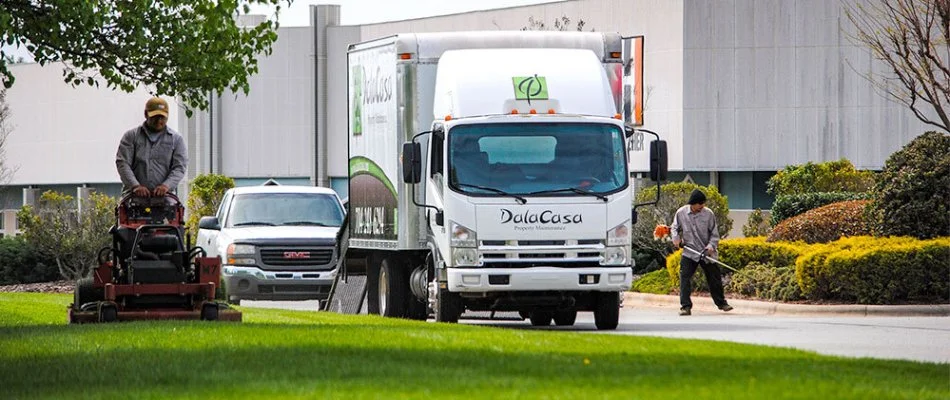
{"x": 518, "y": 253}
{"x": 296, "y": 256}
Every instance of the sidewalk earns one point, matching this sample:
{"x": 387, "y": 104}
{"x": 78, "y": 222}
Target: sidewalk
{"x": 704, "y": 303}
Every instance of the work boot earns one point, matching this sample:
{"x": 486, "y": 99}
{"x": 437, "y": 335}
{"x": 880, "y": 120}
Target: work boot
{"x": 685, "y": 311}
{"x": 726, "y": 308}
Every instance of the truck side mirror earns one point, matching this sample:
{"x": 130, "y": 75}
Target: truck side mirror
{"x": 411, "y": 162}
{"x": 658, "y": 160}
{"x": 211, "y": 223}
{"x": 627, "y": 131}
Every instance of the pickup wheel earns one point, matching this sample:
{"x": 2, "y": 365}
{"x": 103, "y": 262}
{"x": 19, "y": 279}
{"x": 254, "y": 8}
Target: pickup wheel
{"x": 541, "y": 318}
{"x": 448, "y": 306}
{"x": 607, "y": 310}
{"x": 393, "y": 289}
{"x": 565, "y": 318}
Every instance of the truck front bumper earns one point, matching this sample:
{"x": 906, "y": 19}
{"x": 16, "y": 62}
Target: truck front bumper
{"x": 604, "y": 279}
{"x": 252, "y": 283}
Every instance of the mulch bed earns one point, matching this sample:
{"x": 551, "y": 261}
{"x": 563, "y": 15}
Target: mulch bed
{"x": 41, "y": 287}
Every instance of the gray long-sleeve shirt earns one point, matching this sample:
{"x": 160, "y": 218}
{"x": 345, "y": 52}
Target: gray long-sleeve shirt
{"x": 141, "y": 162}
{"x": 697, "y": 230}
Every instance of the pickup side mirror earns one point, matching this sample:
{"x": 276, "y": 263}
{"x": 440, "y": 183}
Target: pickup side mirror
{"x": 211, "y": 223}
{"x": 411, "y": 162}
{"x": 658, "y": 160}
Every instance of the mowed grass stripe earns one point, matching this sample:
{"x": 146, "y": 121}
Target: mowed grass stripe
{"x": 293, "y": 354}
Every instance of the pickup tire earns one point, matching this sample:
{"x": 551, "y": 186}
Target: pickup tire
{"x": 393, "y": 289}
{"x": 565, "y": 318}
{"x": 448, "y": 306}
{"x": 607, "y": 310}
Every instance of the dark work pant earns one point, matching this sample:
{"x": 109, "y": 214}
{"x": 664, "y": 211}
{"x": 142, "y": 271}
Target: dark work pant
{"x": 713, "y": 279}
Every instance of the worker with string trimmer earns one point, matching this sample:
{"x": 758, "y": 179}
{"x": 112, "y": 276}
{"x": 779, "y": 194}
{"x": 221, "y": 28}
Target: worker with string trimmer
{"x": 694, "y": 229}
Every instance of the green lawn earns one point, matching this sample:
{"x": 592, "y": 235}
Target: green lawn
{"x": 277, "y": 354}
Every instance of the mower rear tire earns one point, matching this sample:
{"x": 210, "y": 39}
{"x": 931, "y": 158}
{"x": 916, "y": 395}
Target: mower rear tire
{"x": 85, "y": 292}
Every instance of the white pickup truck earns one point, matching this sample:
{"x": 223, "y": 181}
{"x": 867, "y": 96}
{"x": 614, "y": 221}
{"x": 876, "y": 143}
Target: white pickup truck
{"x": 275, "y": 242}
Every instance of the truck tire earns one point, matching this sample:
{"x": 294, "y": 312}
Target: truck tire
{"x": 448, "y": 306}
{"x": 541, "y": 318}
{"x": 607, "y": 310}
{"x": 565, "y": 318}
{"x": 417, "y": 310}
{"x": 393, "y": 289}
{"x": 372, "y": 286}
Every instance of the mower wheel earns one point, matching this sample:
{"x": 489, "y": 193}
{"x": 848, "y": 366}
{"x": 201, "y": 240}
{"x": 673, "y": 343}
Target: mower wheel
{"x": 209, "y": 312}
{"x": 85, "y": 292}
{"x": 108, "y": 313}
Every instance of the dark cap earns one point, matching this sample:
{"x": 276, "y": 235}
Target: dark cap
{"x": 156, "y": 106}
{"x": 697, "y": 197}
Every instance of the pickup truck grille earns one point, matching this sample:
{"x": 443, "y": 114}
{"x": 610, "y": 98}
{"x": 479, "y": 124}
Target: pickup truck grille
{"x": 296, "y": 256}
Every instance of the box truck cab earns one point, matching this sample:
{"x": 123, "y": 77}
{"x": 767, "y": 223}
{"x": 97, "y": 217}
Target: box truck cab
{"x": 513, "y": 190}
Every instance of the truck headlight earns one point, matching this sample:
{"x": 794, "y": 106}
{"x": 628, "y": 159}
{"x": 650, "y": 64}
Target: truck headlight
{"x": 615, "y": 256}
{"x": 619, "y": 235}
{"x": 461, "y": 236}
{"x": 465, "y": 257}
{"x": 241, "y": 254}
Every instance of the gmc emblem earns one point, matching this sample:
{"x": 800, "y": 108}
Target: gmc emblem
{"x": 296, "y": 254}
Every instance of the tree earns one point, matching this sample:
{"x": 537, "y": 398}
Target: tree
{"x": 912, "y": 38}
{"x": 560, "y": 24}
{"x": 176, "y": 48}
{"x": 204, "y": 197}
{"x": 53, "y": 227}
{"x": 6, "y": 171}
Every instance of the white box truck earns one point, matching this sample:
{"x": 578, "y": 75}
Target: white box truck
{"x": 489, "y": 172}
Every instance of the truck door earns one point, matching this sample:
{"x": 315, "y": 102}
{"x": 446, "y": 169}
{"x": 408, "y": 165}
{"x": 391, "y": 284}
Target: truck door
{"x": 435, "y": 178}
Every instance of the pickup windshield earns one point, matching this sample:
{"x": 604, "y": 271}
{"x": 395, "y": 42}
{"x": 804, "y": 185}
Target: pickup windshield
{"x": 300, "y": 209}
{"x": 534, "y": 159}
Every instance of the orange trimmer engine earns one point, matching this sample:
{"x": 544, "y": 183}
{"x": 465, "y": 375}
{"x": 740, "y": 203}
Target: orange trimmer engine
{"x": 150, "y": 271}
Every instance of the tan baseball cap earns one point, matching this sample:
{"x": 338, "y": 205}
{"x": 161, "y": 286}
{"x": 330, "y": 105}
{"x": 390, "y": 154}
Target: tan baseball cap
{"x": 156, "y": 106}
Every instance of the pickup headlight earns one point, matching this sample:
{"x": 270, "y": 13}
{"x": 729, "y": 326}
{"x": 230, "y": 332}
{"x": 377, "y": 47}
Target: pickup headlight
{"x": 615, "y": 256}
{"x": 241, "y": 254}
{"x": 461, "y": 236}
{"x": 619, "y": 235}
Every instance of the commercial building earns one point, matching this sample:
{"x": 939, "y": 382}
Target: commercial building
{"x": 740, "y": 89}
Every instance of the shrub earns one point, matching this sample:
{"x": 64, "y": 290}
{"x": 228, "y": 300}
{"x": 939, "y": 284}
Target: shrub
{"x": 870, "y": 270}
{"x": 766, "y": 282}
{"x": 672, "y": 197}
{"x": 204, "y": 197}
{"x": 756, "y": 225}
{"x": 22, "y": 263}
{"x": 72, "y": 239}
{"x": 787, "y": 206}
{"x": 831, "y": 176}
{"x": 912, "y": 193}
{"x": 824, "y": 224}
{"x": 738, "y": 253}
{"x": 656, "y": 282}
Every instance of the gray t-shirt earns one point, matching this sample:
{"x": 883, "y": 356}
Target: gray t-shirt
{"x": 697, "y": 230}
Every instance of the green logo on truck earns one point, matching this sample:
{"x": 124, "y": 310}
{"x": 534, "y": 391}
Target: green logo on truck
{"x": 530, "y": 87}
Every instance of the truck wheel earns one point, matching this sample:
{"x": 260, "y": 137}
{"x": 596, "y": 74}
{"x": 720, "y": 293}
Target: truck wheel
{"x": 541, "y": 318}
{"x": 448, "y": 306}
{"x": 372, "y": 286}
{"x": 565, "y": 318}
{"x": 417, "y": 310}
{"x": 607, "y": 310}
{"x": 85, "y": 292}
{"x": 393, "y": 290}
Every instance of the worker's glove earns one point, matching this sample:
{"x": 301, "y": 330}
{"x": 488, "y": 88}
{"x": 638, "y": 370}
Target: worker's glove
{"x": 140, "y": 191}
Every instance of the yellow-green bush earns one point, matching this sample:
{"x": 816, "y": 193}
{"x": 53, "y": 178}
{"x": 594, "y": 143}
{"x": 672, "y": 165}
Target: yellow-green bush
{"x": 870, "y": 270}
{"x": 740, "y": 252}
{"x": 656, "y": 282}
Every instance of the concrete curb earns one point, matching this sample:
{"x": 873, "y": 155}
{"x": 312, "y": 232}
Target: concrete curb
{"x": 703, "y": 303}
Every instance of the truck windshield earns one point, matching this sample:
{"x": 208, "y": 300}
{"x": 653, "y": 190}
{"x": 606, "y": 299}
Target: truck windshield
{"x": 272, "y": 209}
{"x": 537, "y": 158}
